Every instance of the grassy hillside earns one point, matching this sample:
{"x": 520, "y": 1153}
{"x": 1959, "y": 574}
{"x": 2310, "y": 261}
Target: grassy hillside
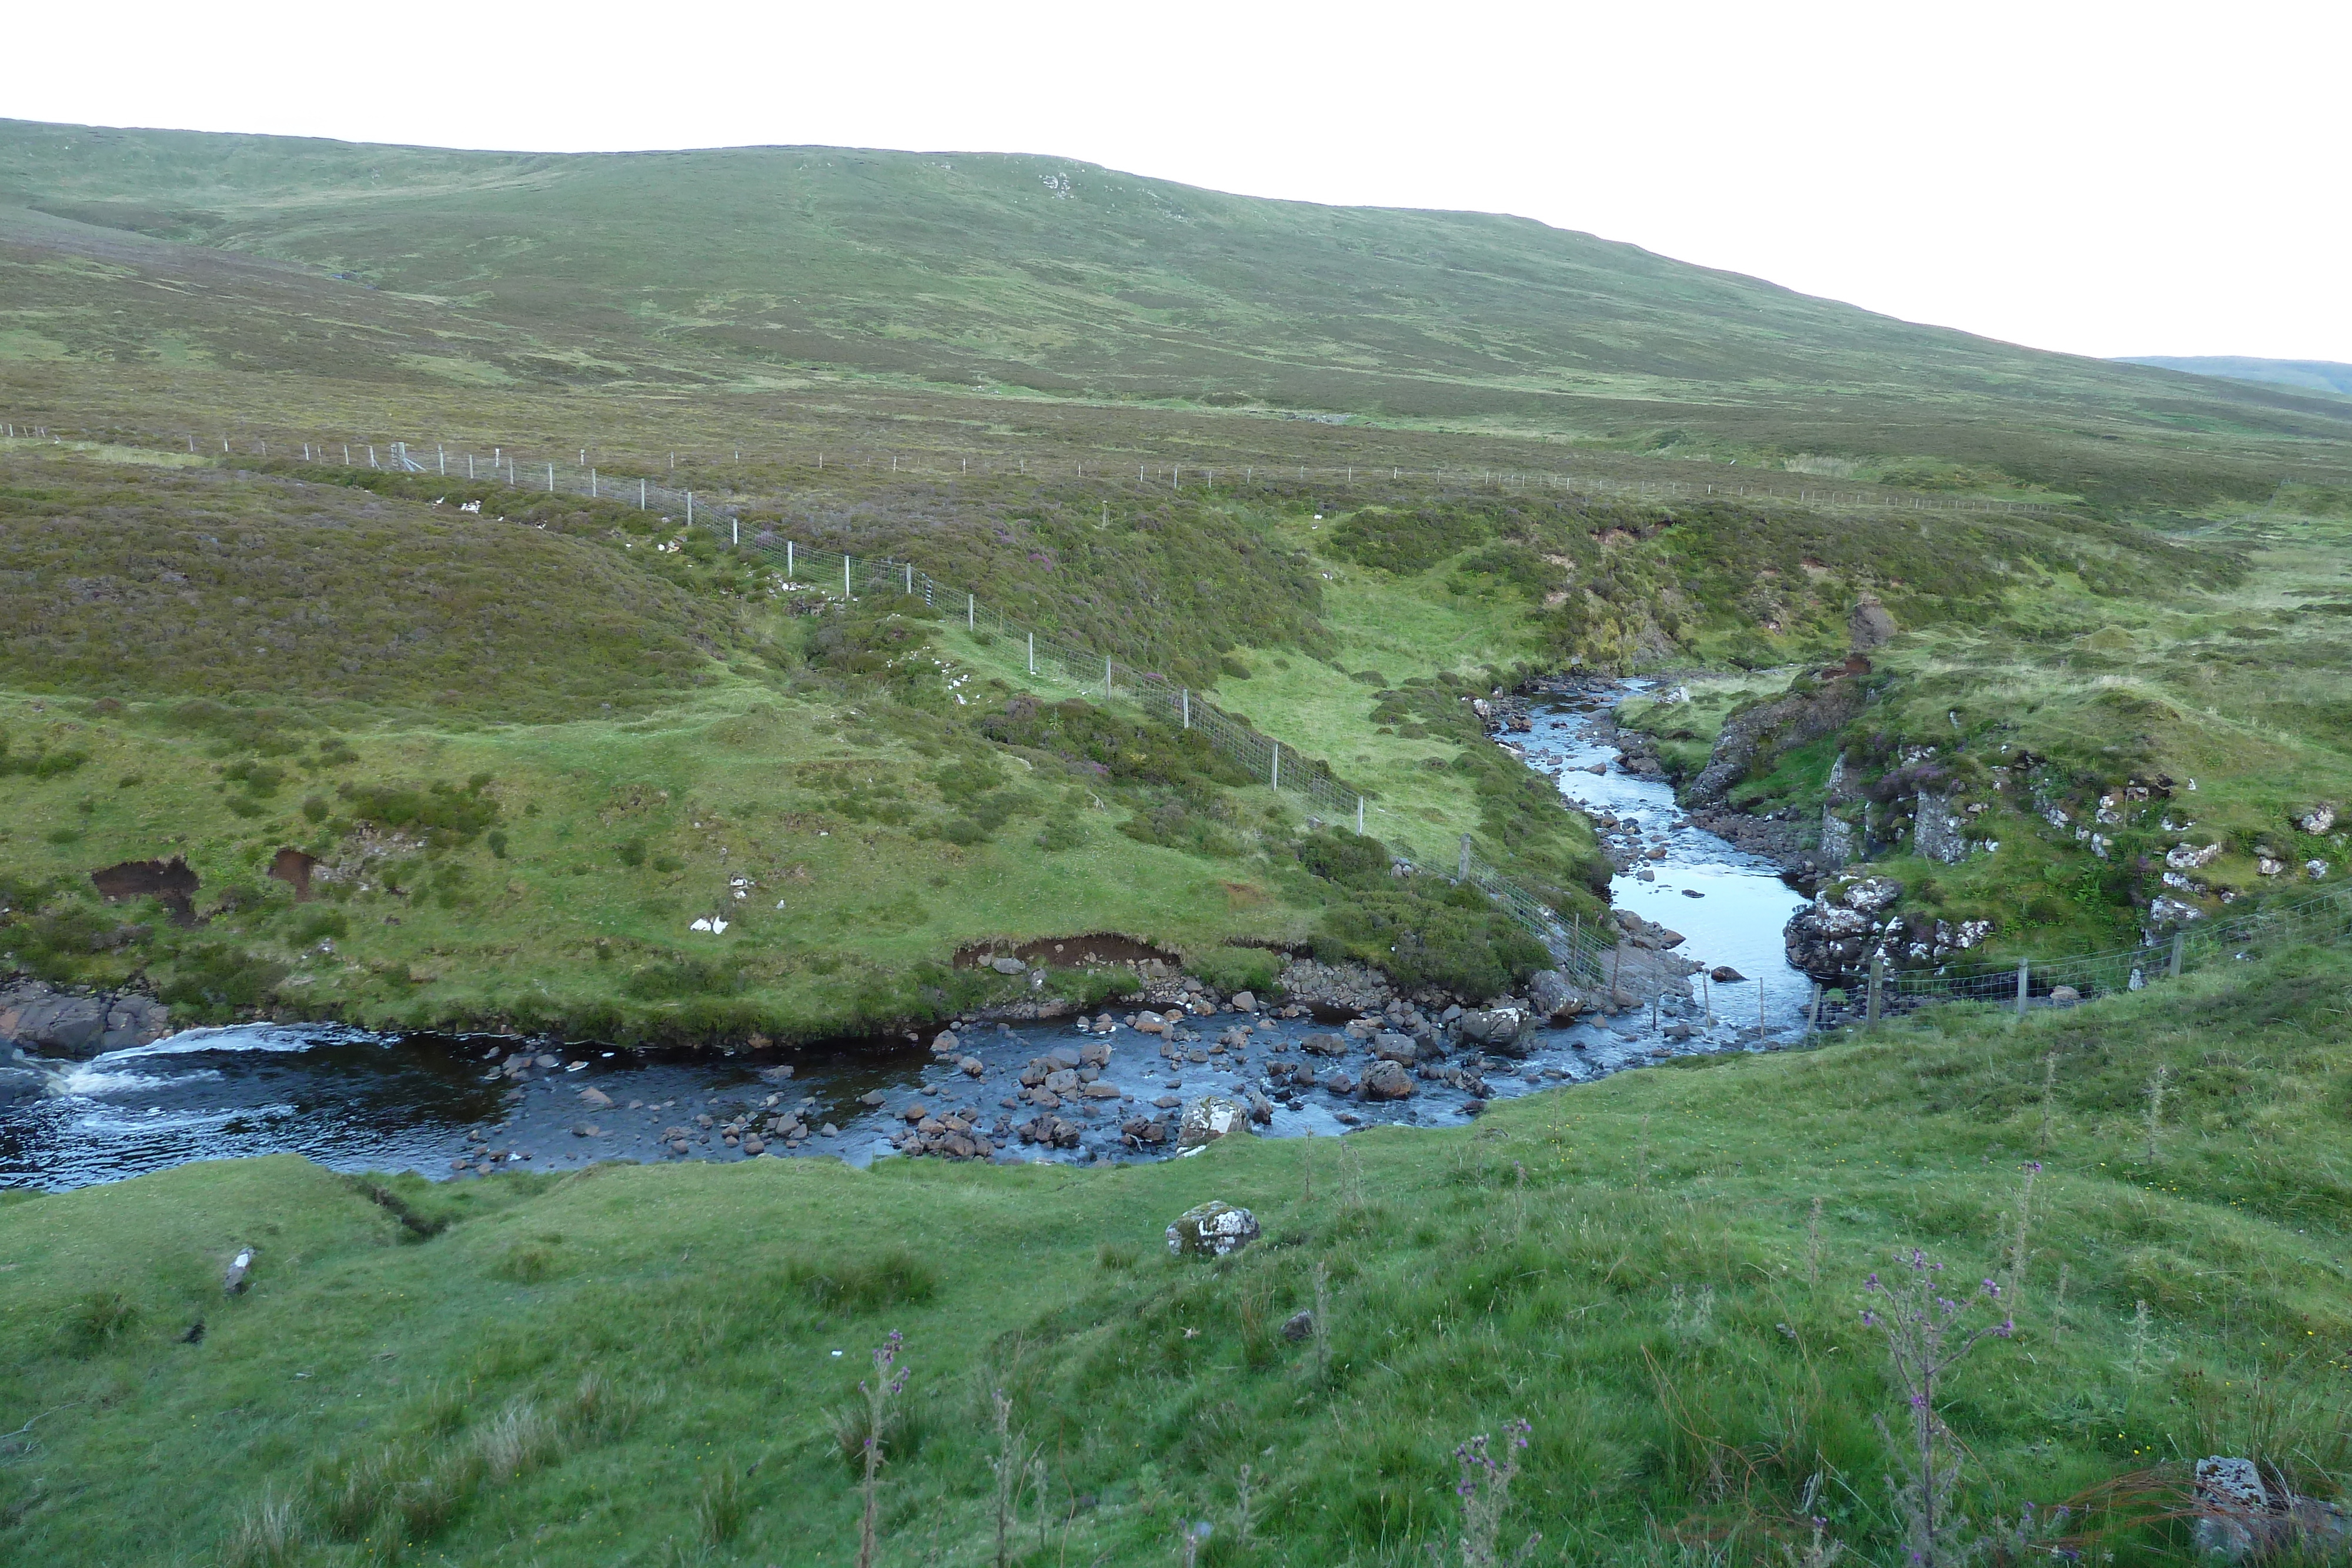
{"x": 527, "y": 747}
{"x": 1662, "y": 1274}
{"x": 746, "y": 268}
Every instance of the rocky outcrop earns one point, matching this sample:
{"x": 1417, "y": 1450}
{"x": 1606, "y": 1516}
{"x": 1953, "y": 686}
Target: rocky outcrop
{"x": 1870, "y": 626}
{"x": 1815, "y": 706}
{"x": 1832, "y": 939}
{"x": 48, "y": 1021}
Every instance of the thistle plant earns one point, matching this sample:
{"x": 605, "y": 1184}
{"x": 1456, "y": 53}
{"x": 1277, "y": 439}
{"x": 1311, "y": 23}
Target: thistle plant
{"x": 889, "y": 1381}
{"x": 1485, "y": 1489}
{"x": 1928, "y": 1333}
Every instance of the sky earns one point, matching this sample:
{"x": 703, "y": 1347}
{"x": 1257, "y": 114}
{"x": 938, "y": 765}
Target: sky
{"x": 2105, "y": 179}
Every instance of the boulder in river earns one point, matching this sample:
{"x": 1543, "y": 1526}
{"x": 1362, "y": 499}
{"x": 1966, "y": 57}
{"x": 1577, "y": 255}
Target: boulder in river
{"x": 1504, "y": 1030}
{"x": 1387, "y": 1081}
{"x": 1553, "y": 996}
{"x": 20, "y": 1080}
{"x": 1208, "y": 1118}
{"x": 1212, "y": 1229}
{"x": 46, "y": 1021}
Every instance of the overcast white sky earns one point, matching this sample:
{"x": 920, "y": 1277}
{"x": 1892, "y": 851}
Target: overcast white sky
{"x": 2105, "y": 178}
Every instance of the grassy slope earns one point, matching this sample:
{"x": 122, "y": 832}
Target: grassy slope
{"x": 487, "y": 271}
{"x": 1661, "y": 1271}
{"x": 364, "y": 643}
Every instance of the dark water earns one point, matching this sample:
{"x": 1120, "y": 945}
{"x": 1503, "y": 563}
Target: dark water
{"x": 355, "y": 1101}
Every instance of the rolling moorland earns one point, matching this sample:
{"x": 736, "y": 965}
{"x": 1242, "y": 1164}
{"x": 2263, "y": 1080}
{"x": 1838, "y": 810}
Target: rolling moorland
{"x": 519, "y": 748}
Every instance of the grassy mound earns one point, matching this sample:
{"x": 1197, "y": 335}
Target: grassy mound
{"x": 1662, "y": 1274}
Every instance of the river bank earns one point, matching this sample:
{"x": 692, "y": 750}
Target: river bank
{"x": 1697, "y": 912}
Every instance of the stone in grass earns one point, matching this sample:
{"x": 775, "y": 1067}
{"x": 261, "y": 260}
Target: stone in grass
{"x": 1208, "y": 1118}
{"x": 1298, "y": 1326}
{"x": 240, "y": 1270}
{"x": 1212, "y": 1229}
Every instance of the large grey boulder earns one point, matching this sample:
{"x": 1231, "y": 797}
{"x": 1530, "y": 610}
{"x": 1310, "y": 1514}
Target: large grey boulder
{"x": 1387, "y": 1081}
{"x": 1212, "y": 1229}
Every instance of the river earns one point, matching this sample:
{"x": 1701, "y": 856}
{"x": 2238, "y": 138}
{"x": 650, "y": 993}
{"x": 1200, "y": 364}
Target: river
{"x": 448, "y": 1106}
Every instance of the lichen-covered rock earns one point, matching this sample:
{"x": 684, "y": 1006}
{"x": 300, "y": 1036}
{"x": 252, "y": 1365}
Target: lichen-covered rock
{"x": 1212, "y": 1229}
{"x": 1834, "y": 938}
{"x": 2318, "y": 819}
{"x": 1208, "y": 1118}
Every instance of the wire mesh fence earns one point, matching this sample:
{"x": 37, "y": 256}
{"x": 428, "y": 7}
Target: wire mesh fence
{"x": 582, "y": 478}
{"x": 2321, "y": 918}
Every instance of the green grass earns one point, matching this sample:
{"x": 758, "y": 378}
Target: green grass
{"x": 1662, "y": 1272}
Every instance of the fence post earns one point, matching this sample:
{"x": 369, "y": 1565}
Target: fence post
{"x": 371, "y": 453}
{"x": 1463, "y": 872}
{"x": 971, "y": 613}
{"x": 2024, "y": 984}
{"x": 2179, "y": 941}
{"x": 689, "y": 508}
{"x": 788, "y": 560}
{"x": 1106, "y": 677}
{"x": 1188, "y": 707}
{"x": 1033, "y": 654}
{"x": 641, "y": 491}
{"x": 1360, "y": 816}
{"x": 593, "y": 489}
{"x": 735, "y": 528}
{"x": 910, "y": 579}
{"x": 441, "y": 451}
{"x": 551, "y": 479}
{"x": 1877, "y": 982}
{"x": 846, "y": 592}
{"x": 1277, "y": 765}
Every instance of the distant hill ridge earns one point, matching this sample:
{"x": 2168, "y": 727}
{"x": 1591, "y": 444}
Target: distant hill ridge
{"x": 737, "y": 267}
{"x": 2319, "y": 375}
